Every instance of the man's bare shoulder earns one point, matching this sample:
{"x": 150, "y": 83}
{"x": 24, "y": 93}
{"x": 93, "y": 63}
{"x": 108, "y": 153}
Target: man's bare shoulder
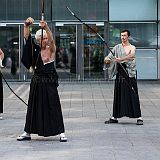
{"x": 133, "y": 47}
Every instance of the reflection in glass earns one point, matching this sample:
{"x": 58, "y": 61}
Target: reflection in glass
{"x": 13, "y": 10}
{"x": 9, "y": 41}
{"x": 66, "y": 51}
{"x": 146, "y": 63}
{"x": 90, "y": 10}
{"x": 159, "y": 35}
{"x": 142, "y": 34}
{"x": 93, "y": 52}
{"x": 132, "y": 10}
{"x": 158, "y": 11}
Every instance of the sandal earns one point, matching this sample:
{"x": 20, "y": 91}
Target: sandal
{"x": 139, "y": 122}
{"x": 111, "y": 121}
{"x": 23, "y": 138}
{"x": 63, "y": 139}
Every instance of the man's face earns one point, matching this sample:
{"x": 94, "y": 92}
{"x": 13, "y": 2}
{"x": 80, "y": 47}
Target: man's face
{"x": 124, "y": 37}
{"x": 44, "y": 41}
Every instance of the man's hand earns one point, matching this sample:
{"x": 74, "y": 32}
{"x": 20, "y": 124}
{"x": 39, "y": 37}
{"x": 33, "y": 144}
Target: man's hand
{"x": 43, "y": 24}
{"x": 29, "y": 21}
{"x": 107, "y": 61}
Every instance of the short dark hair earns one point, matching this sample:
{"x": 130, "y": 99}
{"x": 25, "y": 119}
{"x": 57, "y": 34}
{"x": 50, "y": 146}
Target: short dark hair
{"x": 126, "y": 30}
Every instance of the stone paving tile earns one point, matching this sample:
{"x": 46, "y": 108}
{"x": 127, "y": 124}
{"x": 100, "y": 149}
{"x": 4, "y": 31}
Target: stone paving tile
{"x": 85, "y": 106}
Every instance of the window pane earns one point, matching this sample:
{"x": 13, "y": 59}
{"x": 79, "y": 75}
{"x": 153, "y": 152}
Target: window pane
{"x": 146, "y": 64}
{"x": 66, "y": 54}
{"x": 93, "y": 53}
{"x": 11, "y": 10}
{"x": 158, "y": 9}
{"x": 85, "y": 9}
{"x": 132, "y": 10}
{"x": 142, "y": 34}
{"x": 9, "y": 41}
{"x": 159, "y": 35}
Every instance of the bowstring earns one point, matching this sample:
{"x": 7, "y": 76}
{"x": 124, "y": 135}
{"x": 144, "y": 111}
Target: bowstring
{"x": 11, "y": 88}
{"x": 73, "y": 14}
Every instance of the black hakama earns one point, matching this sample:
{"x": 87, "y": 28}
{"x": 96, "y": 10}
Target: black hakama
{"x": 1, "y": 94}
{"x": 44, "y": 115}
{"x": 126, "y": 100}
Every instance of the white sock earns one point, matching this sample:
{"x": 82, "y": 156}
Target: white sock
{"x": 62, "y": 135}
{"x": 114, "y": 118}
{"x": 1, "y": 63}
{"x": 140, "y": 118}
{"x": 25, "y": 134}
{"x": 1, "y": 116}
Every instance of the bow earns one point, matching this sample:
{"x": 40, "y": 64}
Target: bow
{"x": 130, "y": 85}
{"x": 12, "y": 89}
{"x": 42, "y": 19}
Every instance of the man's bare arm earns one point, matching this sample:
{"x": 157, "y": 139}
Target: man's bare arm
{"x": 49, "y": 36}
{"x": 2, "y": 54}
{"x": 27, "y": 23}
{"x": 129, "y": 56}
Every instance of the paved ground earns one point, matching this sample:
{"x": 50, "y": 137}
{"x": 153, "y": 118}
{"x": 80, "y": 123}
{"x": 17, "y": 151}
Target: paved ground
{"x": 85, "y": 108}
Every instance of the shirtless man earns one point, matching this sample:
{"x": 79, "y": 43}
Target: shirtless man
{"x": 126, "y": 99}
{"x": 44, "y": 115}
{"x": 48, "y": 47}
{"x": 129, "y": 49}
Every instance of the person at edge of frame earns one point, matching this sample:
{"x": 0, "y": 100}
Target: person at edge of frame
{"x": 1, "y": 84}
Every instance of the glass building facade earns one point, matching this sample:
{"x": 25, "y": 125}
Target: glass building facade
{"x": 80, "y": 51}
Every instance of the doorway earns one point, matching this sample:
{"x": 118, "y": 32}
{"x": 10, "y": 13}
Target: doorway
{"x": 93, "y": 52}
{"x": 10, "y": 44}
{"x": 66, "y": 55}
{"x": 80, "y": 52}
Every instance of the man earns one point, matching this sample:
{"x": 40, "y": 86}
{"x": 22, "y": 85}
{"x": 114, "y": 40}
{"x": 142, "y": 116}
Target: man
{"x": 122, "y": 62}
{"x": 44, "y": 115}
{"x": 1, "y": 85}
